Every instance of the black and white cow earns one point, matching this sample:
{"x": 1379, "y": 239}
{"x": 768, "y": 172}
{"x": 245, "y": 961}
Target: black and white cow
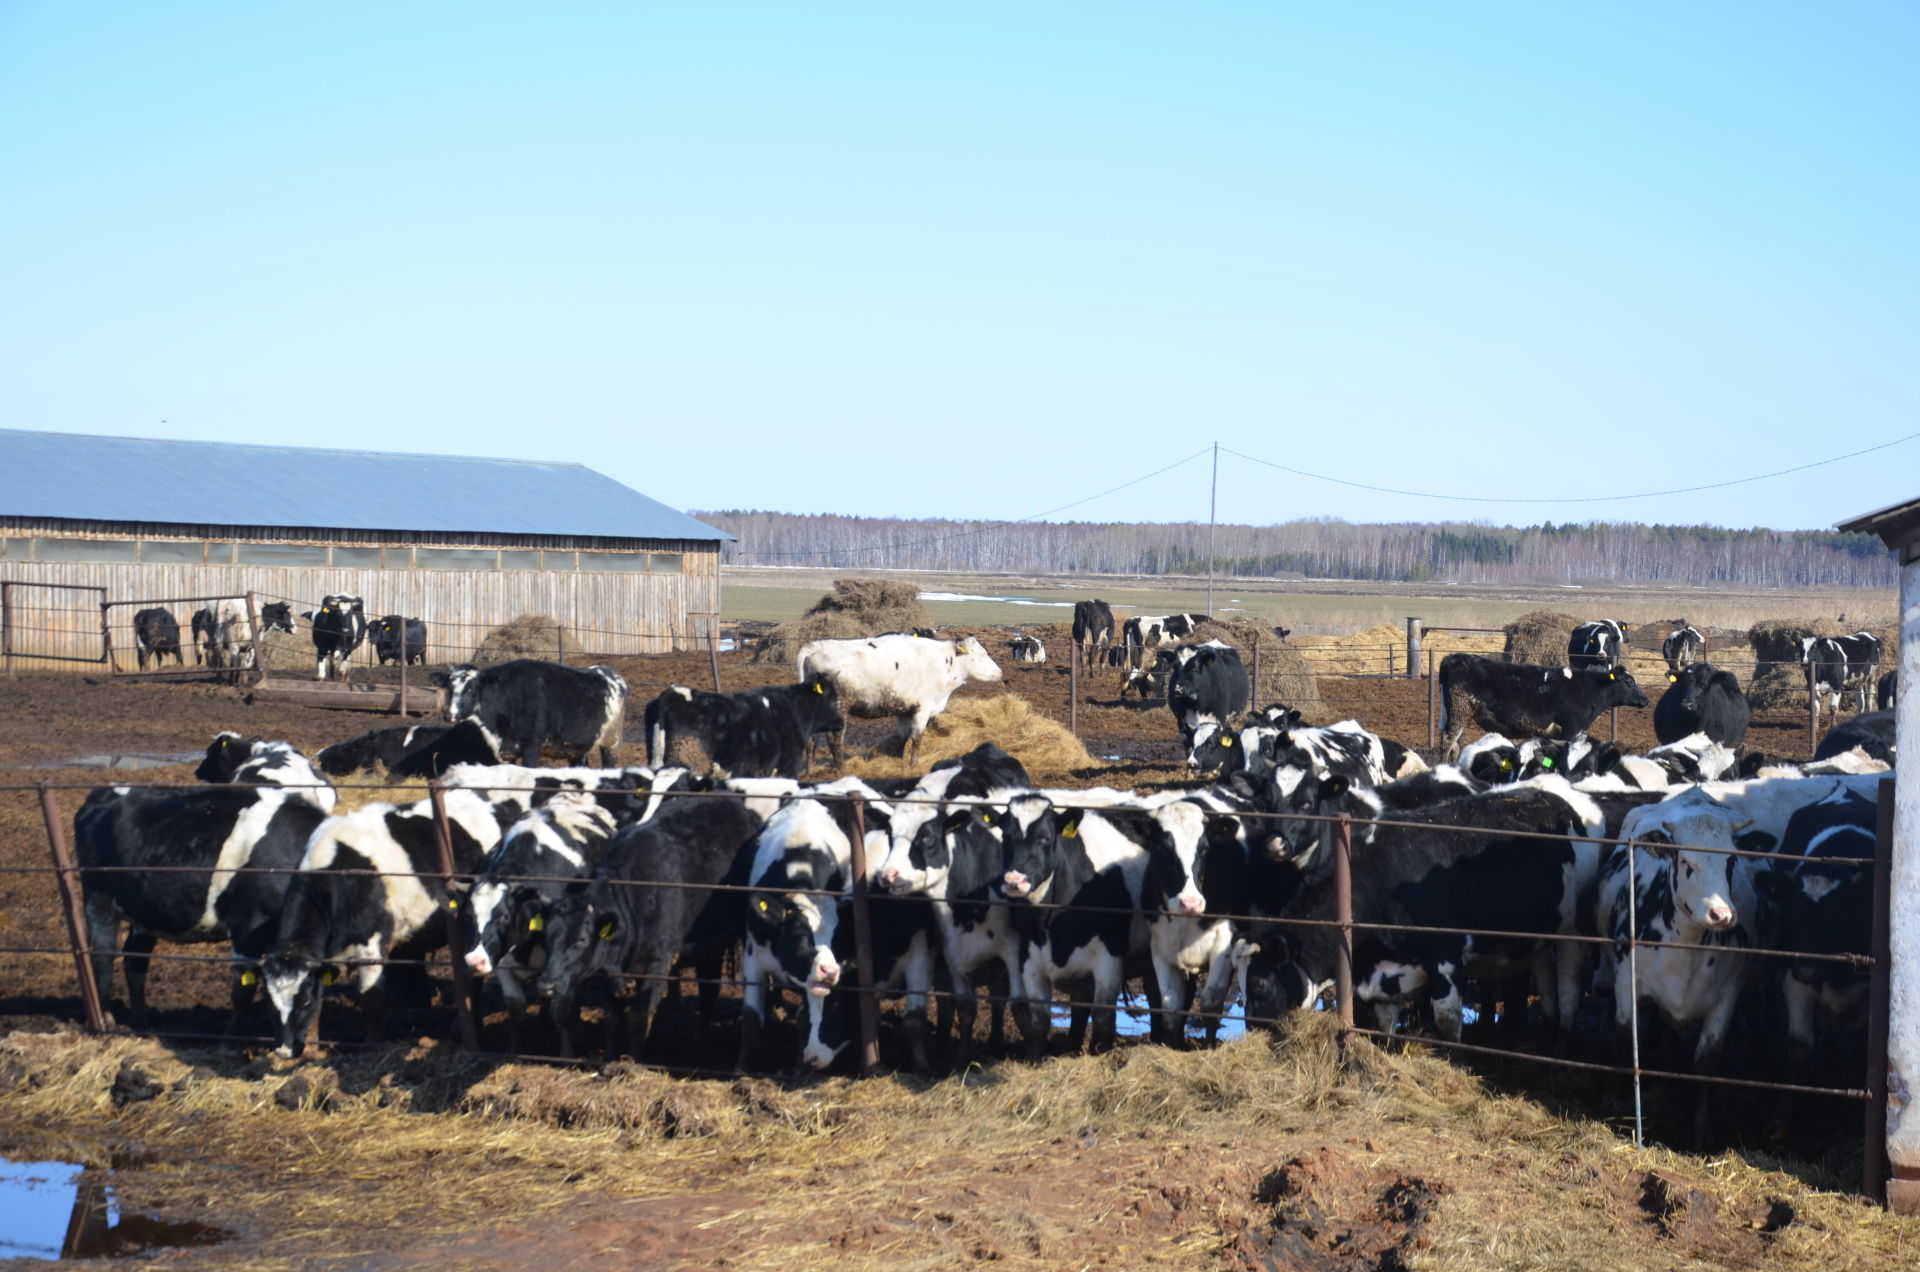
{"x": 204, "y": 847}
{"x": 395, "y": 638}
{"x": 529, "y": 704}
{"x": 156, "y": 633}
{"x": 1144, "y": 633}
{"x": 1874, "y": 733}
{"x": 1835, "y": 664}
{"x": 1519, "y": 699}
{"x": 1208, "y": 686}
{"x": 339, "y": 626}
{"x": 761, "y": 732}
{"x": 1028, "y": 649}
{"x": 233, "y": 638}
{"x": 666, "y": 888}
{"x": 369, "y": 890}
{"x": 205, "y": 628}
{"x": 1702, "y": 699}
{"x": 1092, "y": 630}
{"x": 1825, "y": 907}
{"x": 945, "y": 845}
{"x": 1461, "y": 864}
{"x": 505, "y": 917}
{"x": 1683, "y": 645}
{"x": 1596, "y": 644}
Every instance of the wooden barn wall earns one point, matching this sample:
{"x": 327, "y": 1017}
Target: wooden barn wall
{"x": 603, "y": 613}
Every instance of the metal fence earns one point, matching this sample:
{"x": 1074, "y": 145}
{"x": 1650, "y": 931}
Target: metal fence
{"x": 1871, "y": 1091}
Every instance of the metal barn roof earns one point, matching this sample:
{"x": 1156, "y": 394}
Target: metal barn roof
{"x": 224, "y": 483}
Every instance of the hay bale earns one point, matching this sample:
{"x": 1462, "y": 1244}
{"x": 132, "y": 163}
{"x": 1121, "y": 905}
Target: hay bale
{"x": 1042, "y": 745}
{"x": 1285, "y": 674}
{"x": 1539, "y": 637}
{"x": 527, "y": 636}
{"x": 287, "y": 651}
{"x": 1778, "y": 683}
{"x": 856, "y": 608}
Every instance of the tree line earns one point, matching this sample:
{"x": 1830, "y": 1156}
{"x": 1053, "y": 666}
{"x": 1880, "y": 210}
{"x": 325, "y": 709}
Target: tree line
{"x": 1322, "y": 548}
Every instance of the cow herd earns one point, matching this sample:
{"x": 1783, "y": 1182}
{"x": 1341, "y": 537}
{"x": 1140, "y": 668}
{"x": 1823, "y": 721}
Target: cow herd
{"x": 574, "y": 884}
{"x": 221, "y": 635}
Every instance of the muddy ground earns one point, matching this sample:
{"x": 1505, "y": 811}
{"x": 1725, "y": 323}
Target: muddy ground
{"x": 692, "y": 1185}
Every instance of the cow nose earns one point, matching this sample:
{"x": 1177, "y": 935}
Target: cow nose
{"x": 477, "y": 959}
{"x": 890, "y": 878}
{"x": 1192, "y": 903}
{"x": 826, "y": 974}
{"x": 1015, "y": 884}
{"x": 1719, "y": 916}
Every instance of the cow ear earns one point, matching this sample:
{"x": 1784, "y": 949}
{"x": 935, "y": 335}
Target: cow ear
{"x": 1226, "y": 739}
{"x": 819, "y": 686}
{"x": 1772, "y": 884}
{"x": 1334, "y": 787}
{"x": 1070, "y": 822}
{"x": 1673, "y": 677}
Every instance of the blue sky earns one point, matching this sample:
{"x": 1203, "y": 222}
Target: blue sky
{"x": 986, "y": 260}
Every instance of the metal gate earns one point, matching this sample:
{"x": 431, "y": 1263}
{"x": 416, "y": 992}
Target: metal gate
{"x": 51, "y": 622}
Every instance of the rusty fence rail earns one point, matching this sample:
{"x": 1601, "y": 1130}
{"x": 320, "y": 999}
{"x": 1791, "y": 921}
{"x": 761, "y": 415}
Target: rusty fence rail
{"x": 1872, "y": 1092}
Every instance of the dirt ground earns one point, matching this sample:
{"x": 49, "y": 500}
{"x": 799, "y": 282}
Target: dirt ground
{"x": 696, "y": 1181}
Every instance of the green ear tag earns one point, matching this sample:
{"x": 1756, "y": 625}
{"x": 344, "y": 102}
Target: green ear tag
{"x": 1546, "y": 761}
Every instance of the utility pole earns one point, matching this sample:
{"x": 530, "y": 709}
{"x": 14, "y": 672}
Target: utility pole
{"x": 1213, "y": 505}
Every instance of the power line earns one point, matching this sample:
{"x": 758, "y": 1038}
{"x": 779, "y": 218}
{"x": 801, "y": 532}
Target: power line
{"x": 968, "y": 534}
{"x": 1649, "y": 494}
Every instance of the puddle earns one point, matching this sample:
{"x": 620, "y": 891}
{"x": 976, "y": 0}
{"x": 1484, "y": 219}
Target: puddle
{"x": 1004, "y": 600}
{"x": 130, "y": 760}
{"x": 58, "y": 1210}
{"x": 1133, "y": 1021}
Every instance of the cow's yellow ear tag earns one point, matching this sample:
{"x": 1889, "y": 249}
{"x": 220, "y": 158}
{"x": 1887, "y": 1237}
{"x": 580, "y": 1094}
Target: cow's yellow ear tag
{"x": 537, "y": 923}
{"x": 249, "y": 978}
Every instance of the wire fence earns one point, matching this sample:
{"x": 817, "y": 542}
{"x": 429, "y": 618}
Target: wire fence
{"x": 1333, "y": 988}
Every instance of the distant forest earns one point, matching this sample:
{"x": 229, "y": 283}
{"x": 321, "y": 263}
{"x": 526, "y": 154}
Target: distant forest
{"x": 1325, "y": 549}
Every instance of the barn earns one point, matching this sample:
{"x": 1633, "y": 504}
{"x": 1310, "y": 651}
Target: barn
{"x": 94, "y": 528}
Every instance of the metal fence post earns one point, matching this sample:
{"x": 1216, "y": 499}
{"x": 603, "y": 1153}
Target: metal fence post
{"x": 1343, "y": 915}
{"x": 462, "y": 985}
{"x": 560, "y": 644}
{"x": 1073, "y": 688}
{"x": 713, "y": 648}
{"x": 1813, "y": 718}
{"x": 6, "y": 625}
{"x": 70, "y": 906}
{"x": 1253, "y": 692}
{"x": 1413, "y": 648}
{"x": 1633, "y": 987}
{"x": 106, "y": 637}
{"x": 1433, "y": 694}
{"x": 863, "y": 945}
{"x": 259, "y": 644}
{"x": 400, "y": 707}
{"x": 1873, "y": 1162}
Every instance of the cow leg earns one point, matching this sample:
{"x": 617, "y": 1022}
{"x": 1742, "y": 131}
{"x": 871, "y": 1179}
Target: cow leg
{"x": 1109, "y": 978}
{"x": 133, "y": 961}
{"x": 1036, "y": 1023}
{"x": 1213, "y": 995}
{"x": 1443, "y": 988}
{"x": 753, "y": 1012}
{"x": 1170, "y": 1026}
{"x": 103, "y": 940}
{"x": 1801, "y": 1006}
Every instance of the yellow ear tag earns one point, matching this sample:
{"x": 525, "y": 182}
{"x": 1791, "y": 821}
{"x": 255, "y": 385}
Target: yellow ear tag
{"x": 1068, "y": 832}
{"x": 538, "y": 923}
{"x": 249, "y": 978}
{"x": 606, "y": 931}
{"x": 1672, "y": 679}
{"x": 986, "y": 819}
{"x": 819, "y": 688}
{"x": 1613, "y": 675}
{"x": 1226, "y": 741}
{"x": 453, "y": 903}
{"x": 763, "y": 907}
{"x": 326, "y": 977}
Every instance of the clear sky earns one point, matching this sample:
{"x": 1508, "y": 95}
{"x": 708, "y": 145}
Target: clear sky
{"x": 989, "y": 259}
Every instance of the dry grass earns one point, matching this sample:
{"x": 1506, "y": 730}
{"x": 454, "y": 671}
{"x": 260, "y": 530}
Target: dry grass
{"x": 1381, "y": 650}
{"x": 856, "y": 607}
{"x": 527, "y": 636}
{"x": 1539, "y": 637}
{"x": 1007, "y": 720}
{"x": 1154, "y": 1157}
{"x": 376, "y": 786}
{"x": 287, "y": 651}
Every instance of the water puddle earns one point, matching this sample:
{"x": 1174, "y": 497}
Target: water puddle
{"x": 1003, "y": 600}
{"x": 58, "y": 1210}
{"x": 1133, "y": 1021}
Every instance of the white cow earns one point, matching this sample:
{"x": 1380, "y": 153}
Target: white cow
{"x": 907, "y": 677}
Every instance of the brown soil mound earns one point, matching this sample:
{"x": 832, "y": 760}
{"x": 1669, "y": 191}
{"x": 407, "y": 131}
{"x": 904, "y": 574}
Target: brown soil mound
{"x": 527, "y": 636}
{"x": 1043, "y": 746}
{"x": 287, "y": 651}
{"x": 1540, "y": 637}
{"x": 856, "y": 607}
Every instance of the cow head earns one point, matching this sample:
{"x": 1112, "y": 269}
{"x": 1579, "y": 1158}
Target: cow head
{"x": 927, "y": 839}
{"x": 1215, "y": 749}
{"x": 1688, "y": 841}
{"x": 276, "y": 616}
{"x": 294, "y": 983}
{"x": 799, "y": 928}
{"x": 1824, "y": 907}
{"x": 463, "y": 690}
{"x": 225, "y": 754}
{"x": 584, "y": 933}
{"x": 970, "y": 658}
{"x": 1617, "y": 687}
{"x": 1176, "y": 846}
{"x": 1030, "y": 843}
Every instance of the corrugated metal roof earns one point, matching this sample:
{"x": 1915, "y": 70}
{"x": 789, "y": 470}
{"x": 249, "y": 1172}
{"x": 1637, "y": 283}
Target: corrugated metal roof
{"x": 228, "y": 484}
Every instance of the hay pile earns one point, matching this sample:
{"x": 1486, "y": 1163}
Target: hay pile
{"x": 1043, "y": 746}
{"x": 1285, "y": 674}
{"x": 527, "y": 636}
{"x": 1539, "y": 637}
{"x": 287, "y": 651}
{"x": 1778, "y": 683}
{"x": 856, "y": 607}
{"x": 1381, "y": 650}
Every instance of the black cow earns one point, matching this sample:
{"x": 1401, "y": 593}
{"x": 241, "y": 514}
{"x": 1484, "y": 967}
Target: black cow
{"x": 220, "y": 835}
{"x": 652, "y": 901}
{"x": 1873, "y": 733}
{"x": 1835, "y": 664}
{"x": 369, "y": 889}
{"x": 1458, "y": 865}
{"x": 529, "y": 704}
{"x": 156, "y": 633}
{"x": 393, "y": 636}
{"x": 750, "y": 733}
{"x": 1883, "y": 697}
{"x": 1092, "y": 630}
{"x": 1682, "y": 645}
{"x": 411, "y": 750}
{"x": 1596, "y": 644}
{"x": 1209, "y": 684}
{"x": 1523, "y": 700}
{"x": 339, "y": 626}
{"x": 1702, "y": 699}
